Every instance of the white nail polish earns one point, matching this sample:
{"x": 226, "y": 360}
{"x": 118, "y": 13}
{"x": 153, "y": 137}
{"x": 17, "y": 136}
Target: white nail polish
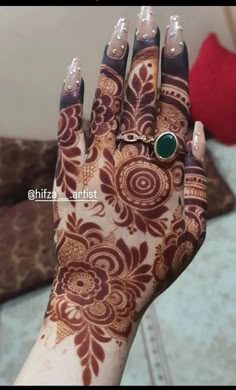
{"x": 198, "y": 141}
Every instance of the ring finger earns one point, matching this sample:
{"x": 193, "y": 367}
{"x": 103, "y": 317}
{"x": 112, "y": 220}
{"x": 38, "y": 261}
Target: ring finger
{"x": 174, "y": 94}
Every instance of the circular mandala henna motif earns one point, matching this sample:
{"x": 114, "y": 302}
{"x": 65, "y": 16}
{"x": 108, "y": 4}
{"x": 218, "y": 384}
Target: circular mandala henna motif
{"x": 84, "y": 284}
{"x": 141, "y": 185}
{"x": 137, "y": 190}
{"x": 108, "y": 258}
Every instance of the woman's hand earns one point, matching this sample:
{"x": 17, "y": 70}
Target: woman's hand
{"x": 147, "y": 219}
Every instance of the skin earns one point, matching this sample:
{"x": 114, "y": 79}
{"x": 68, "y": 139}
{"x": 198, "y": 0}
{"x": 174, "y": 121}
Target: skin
{"x": 117, "y": 254}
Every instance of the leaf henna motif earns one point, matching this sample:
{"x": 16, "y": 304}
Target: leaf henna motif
{"x": 140, "y": 94}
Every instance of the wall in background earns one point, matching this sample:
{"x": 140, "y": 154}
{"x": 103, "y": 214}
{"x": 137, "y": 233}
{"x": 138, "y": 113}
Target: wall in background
{"x": 38, "y": 43}
{"x": 230, "y": 17}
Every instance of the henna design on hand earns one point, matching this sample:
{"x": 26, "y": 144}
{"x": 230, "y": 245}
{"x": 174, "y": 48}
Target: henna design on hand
{"x": 116, "y": 256}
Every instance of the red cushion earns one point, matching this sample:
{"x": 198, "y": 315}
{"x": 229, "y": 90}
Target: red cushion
{"x": 212, "y": 82}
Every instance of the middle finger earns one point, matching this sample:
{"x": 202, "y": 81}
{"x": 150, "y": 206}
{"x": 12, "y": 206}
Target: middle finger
{"x": 139, "y": 109}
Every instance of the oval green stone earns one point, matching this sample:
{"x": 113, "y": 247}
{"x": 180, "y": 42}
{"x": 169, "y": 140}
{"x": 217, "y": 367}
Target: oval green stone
{"x": 166, "y": 145}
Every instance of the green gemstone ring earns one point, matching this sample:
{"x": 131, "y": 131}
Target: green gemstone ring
{"x": 166, "y": 145}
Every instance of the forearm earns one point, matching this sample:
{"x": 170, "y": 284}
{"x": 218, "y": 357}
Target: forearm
{"x": 51, "y": 362}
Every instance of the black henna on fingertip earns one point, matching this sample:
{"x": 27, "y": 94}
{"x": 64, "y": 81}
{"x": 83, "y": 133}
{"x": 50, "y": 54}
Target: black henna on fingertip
{"x": 142, "y": 44}
{"x": 119, "y": 63}
{"x": 70, "y": 98}
{"x": 176, "y": 65}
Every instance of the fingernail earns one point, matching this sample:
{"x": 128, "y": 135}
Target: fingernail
{"x": 174, "y": 42}
{"x": 118, "y": 42}
{"x": 146, "y": 26}
{"x": 198, "y": 142}
{"x": 72, "y": 80}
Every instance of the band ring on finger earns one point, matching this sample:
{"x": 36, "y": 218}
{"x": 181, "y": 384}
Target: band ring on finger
{"x": 166, "y": 145}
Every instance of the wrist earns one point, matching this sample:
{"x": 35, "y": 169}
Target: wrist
{"x": 48, "y": 359}
{"x": 99, "y": 335}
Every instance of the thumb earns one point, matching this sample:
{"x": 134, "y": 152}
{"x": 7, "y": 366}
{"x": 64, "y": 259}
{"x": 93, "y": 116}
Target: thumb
{"x": 195, "y": 188}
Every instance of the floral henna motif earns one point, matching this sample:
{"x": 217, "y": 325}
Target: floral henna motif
{"x": 104, "y": 118}
{"x": 94, "y": 297}
{"x": 107, "y": 104}
{"x": 137, "y": 190}
{"x": 68, "y": 164}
